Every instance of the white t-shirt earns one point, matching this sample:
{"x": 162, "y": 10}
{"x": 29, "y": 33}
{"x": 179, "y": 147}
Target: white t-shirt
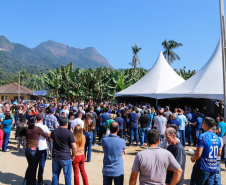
{"x": 65, "y": 111}
{"x": 161, "y": 124}
{"x": 75, "y": 122}
{"x": 42, "y": 145}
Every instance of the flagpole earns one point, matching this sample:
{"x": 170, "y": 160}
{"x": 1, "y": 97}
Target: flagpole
{"x": 222, "y": 19}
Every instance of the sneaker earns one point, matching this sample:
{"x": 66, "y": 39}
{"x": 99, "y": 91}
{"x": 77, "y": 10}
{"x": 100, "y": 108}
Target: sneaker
{"x": 8, "y": 150}
{"x": 95, "y": 145}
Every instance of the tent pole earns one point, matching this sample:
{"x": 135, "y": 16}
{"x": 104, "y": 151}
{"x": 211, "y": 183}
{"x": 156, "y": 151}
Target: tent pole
{"x": 222, "y": 19}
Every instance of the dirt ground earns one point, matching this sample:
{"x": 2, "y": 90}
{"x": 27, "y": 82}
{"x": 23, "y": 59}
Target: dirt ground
{"x": 13, "y": 165}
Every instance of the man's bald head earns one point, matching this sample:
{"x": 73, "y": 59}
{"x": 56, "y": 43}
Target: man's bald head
{"x": 170, "y": 135}
{"x": 171, "y": 131}
{"x": 114, "y": 127}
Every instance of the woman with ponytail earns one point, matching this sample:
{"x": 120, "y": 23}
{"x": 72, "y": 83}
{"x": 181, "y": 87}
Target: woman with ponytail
{"x": 79, "y": 160}
{"x": 32, "y": 134}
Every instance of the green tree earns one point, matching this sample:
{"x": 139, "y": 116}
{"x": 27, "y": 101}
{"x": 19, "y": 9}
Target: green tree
{"x": 135, "y": 50}
{"x": 34, "y": 83}
{"x": 185, "y": 74}
{"x": 53, "y": 80}
{"x": 101, "y": 83}
{"x": 24, "y": 76}
{"x": 169, "y": 54}
{"x": 67, "y": 73}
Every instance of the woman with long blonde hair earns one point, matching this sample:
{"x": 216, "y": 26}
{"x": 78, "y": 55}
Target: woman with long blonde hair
{"x": 79, "y": 160}
{"x": 88, "y": 132}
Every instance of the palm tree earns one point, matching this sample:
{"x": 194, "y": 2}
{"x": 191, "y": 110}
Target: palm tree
{"x": 169, "y": 53}
{"x": 135, "y": 57}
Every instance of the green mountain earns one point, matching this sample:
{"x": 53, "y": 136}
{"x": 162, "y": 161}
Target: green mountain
{"x": 47, "y": 55}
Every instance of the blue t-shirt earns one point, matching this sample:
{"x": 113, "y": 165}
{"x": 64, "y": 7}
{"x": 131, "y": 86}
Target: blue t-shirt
{"x": 133, "y": 118}
{"x": 38, "y": 107}
{"x": 120, "y": 121}
{"x": 199, "y": 123}
{"x": 189, "y": 117}
{"x": 105, "y": 117}
{"x": 222, "y": 126}
{"x": 210, "y": 143}
{"x": 182, "y": 119}
{"x": 194, "y": 118}
{"x": 7, "y": 125}
{"x": 118, "y": 110}
{"x": 113, "y": 162}
{"x": 176, "y": 122}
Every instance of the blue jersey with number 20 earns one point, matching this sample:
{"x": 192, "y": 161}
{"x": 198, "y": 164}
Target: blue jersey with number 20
{"x": 210, "y": 143}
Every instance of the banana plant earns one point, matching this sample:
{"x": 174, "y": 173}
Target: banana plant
{"x": 53, "y": 80}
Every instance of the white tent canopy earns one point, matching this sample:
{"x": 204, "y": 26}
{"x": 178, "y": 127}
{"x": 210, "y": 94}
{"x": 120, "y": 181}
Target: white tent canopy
{"x": 206, "y": 83}
{"x": 161, "y": 77}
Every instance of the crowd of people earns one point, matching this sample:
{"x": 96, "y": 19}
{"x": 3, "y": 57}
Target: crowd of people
{"x": 65, "y": 133}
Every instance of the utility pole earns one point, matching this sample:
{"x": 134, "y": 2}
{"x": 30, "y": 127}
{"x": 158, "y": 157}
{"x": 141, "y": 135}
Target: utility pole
{"x": 19, "y": 90}
{"x": 222, "y": 19}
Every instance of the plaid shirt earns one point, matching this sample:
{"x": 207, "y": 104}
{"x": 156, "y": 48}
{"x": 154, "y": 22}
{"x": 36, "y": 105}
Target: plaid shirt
{"x": 50, "y": 121}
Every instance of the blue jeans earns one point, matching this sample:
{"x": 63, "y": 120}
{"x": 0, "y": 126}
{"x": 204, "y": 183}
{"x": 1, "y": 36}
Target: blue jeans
{"x": 98, "y": 128}
{"x": 32, "y": 159}
{"x": 143, "y": 134}
{"x": 189, "y": 134}
{"x": 5, "y": 141}
{"x": 198, "y": 132}
{"x": 182, "y": 136}
{"x": 16, "y": 121}
{"x": 42, "y": 155}
{"x": 133, "y": 131}
{"x": 57, "y": 165}
{"x": 117, "y": 180}
{"x": 200, "y": 177}
{"x": 88, "y": 145}
{"x": 124, "y": 132}
{"x": 217, "y": 179}
{"x": 49, "y": 147}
